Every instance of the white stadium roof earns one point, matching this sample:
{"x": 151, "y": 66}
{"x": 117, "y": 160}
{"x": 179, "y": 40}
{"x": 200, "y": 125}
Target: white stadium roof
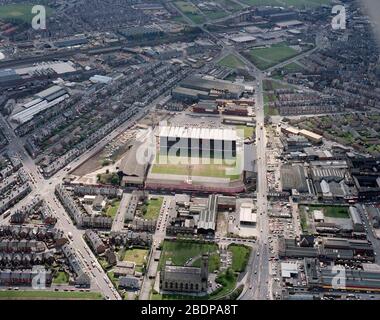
{"x": 225, "y": 134}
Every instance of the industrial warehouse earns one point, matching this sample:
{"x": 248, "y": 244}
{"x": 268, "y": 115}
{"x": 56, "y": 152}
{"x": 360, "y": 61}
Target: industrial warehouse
{"x": 42, "y": 101}
{"x": 195, "y": 88}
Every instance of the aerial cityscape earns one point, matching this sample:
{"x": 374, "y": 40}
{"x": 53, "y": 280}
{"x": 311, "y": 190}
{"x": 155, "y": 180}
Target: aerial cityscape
{"x": 189, "y": 150}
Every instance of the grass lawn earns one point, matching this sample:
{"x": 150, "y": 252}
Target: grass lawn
{"x": 331, "y": 211}
{"x": 265, "y": 58}
{"x": 19, "y": 12}
{"x": 179, "y": 252}
{"x": 179, "y": 19}
{"x": 153, "y": 208}
{"x": 303, "y": 220}
{"x": 203, "y": 167}
{"x": 248, "y": 131}
{"x": 196, "y": 18}
{"x": 228, "y": 280}
{"x": 229, "y": 5}
{"x": 293, "y": 67}
{"x": 240, "y": 256}
{"x": 270, "y": 85}
{"x": 61, "y": 278}
{"x": 50, "y": 295}
{"x": 138, "y": 256}
{"x": 112, "y": 209}
{"x": 213, "y": 15}
{"x": 104, "y": 264}
{"x": 114, "y": 280}
{"x": 231, "y": 61}
{"x": 270, "y": 111}
{"x": 190, "y": 10}
{"x": 108, "y": 178}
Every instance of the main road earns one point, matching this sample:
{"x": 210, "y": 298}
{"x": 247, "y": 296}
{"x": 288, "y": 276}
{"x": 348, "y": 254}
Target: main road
{"x": 258, "y": 281}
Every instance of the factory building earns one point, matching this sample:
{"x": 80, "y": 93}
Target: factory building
{"x": 196, "y": 87}
{"x": 357, "y": 222}
{"x": 207, "y": 217}
{"x": 42, "y": 101}
{"x": 198, "y": 142}
{"x": 206, "y": 107}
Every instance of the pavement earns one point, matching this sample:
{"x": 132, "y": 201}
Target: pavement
{"x": 118, "y": 221}
{"x": 158, "y": 238}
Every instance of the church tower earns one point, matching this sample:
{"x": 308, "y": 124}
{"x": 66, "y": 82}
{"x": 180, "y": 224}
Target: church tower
{"x": 204, "y": 267}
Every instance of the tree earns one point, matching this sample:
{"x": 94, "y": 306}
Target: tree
{"x": 115, "y": 179}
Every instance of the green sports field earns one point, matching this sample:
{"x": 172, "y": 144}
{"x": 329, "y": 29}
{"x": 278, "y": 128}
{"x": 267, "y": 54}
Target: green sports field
{"x": 19, "y": 12}
{"x": 214, "y": 168}
{"x": 264, "y": 58}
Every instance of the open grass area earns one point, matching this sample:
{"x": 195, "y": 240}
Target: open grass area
{"x": 191, "y": 11}
{"x": 50, "y": 295}
{"x": 231, "y": 61}
{"x": 138, "y": 256}
{"x": 229, "y": 5}
{"x": 179, "y": 19}
{"x": 269, "y": 110}
{"x": 186, "y": 7}
{"x": 61, "y": 278}
{"x": 109, "y": 178}
{"x": 213, "y": 15}
{"x": 270, "y": 85}
{"x": 303, "y": 220}
{"x": 153, "y": 208}
{"x": 267, "y": 57}
{"x": 293, "y": 67}
{"x": 179, "y": 252}
{"x": 114, "y": 280}
{"x": 331, "y": 211}
{"x": 248, "y": 131}
{"x": 228, "y": 281}
{"x": 20, "y": 12}
{"x": 240, "y": 256}
{"x": 202, "y": 167}
{"x": 112, "y": 209}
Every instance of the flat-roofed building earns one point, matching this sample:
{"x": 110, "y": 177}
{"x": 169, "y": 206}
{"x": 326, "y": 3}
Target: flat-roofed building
{"x": 318, "y": 216}
{"x": 313, "y": 137}
{"x": 289, "y": 269}
{"x": 246, "y": 214}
